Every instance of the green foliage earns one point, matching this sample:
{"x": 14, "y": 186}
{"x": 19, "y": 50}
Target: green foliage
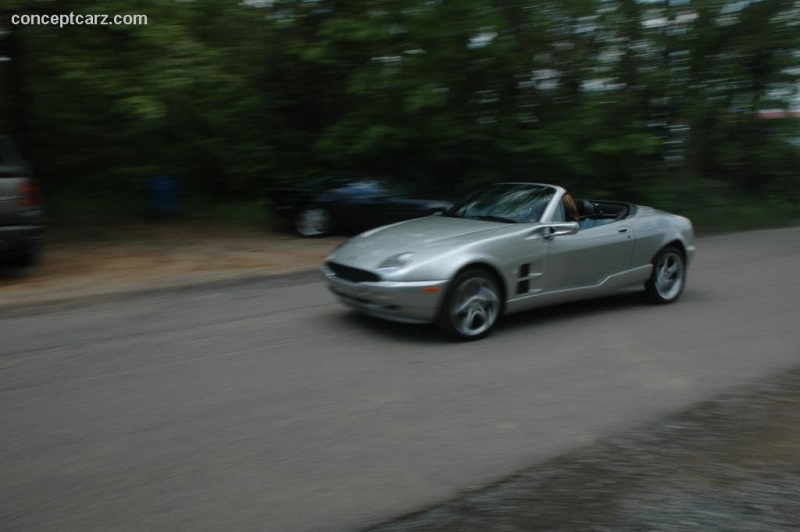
{"x": 609, "y": 97}
{"x": 714, "y": 206}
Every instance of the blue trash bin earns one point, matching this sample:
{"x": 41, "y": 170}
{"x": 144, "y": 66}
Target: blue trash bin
{"x": 163, "y": 197}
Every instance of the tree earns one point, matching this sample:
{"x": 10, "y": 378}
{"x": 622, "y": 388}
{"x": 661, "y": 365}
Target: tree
{"x": 231, "y": 97}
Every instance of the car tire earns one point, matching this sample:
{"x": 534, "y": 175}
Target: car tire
{"x": 668, "y": 277}
{"x": 472, "y": 305}
{"x": 313, "y": 221}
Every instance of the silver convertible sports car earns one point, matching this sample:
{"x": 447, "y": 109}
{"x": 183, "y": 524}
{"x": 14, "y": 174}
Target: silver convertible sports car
{"x": 506, "y": 248}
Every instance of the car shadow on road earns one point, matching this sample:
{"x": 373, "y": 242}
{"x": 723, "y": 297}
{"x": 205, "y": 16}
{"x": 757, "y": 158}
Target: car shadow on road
{"x": 429, "y": 334}
{"x": 578, "y": 309}
{"x": 398, "y": 332}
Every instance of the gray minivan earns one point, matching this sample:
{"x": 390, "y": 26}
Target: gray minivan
{"x": 21, "y": 229}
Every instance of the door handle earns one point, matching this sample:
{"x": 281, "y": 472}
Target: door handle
{"x": 622, "y": 230}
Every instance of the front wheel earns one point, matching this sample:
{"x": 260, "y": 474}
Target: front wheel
{"x": 313, "y": 221}
{"x": 668, "y": 277}
{"x": 472, "y": 305}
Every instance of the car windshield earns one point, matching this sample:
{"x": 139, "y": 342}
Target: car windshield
{"x": 505, "y": 202}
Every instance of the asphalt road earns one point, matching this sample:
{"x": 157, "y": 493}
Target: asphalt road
{"x": 267, "y": 406}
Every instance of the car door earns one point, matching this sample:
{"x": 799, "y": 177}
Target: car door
{"x": 588, "y": 257}
{"x": 354, "y": 204}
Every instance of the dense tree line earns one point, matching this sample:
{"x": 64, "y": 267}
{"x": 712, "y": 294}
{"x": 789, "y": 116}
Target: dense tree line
{"x": 634, "y": 97}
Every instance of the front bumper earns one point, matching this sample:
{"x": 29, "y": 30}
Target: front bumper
{"x": 406, "y": 302}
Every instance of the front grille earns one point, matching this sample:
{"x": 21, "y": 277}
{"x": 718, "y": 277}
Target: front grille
{"x": 354, "y": 275}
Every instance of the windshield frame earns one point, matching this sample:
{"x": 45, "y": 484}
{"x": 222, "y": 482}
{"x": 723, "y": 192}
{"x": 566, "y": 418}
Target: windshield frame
{"x": 479, "y": 204}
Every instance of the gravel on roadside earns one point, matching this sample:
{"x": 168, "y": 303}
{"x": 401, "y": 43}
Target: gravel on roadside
{"x": 728, "y": 464}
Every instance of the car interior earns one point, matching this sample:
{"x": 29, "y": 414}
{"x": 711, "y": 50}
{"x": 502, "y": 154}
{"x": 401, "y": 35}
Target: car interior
{"x": 593, "y": 213}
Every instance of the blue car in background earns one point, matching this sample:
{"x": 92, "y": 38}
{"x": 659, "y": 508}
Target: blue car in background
{"x": 339, "y": 204}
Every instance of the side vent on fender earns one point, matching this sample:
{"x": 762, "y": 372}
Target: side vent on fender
{"x": 524, "y": 283}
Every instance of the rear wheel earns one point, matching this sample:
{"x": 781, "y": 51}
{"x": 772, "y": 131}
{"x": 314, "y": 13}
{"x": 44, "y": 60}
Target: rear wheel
{"x": 472, "y": 305}
{"x": 313, "y": 221}
{"x": 668, "y": 277}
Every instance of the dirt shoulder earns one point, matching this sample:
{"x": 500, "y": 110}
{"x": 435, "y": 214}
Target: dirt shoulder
{"x": 98, "y": 261}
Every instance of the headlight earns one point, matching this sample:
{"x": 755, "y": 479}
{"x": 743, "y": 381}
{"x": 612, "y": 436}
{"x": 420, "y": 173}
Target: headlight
{"x": 396, "y": 262}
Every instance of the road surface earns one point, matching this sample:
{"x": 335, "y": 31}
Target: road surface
{"x": 267, "y": 406}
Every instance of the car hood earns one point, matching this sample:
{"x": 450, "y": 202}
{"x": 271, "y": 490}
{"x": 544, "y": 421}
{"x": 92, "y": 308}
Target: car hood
{"x": 431, "y": 234}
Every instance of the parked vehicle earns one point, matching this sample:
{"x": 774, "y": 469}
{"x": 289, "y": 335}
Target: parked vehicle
{"x": 506, "y": 248}
{"x": 348, "y": 204}
{"x": 21, "y": 230}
